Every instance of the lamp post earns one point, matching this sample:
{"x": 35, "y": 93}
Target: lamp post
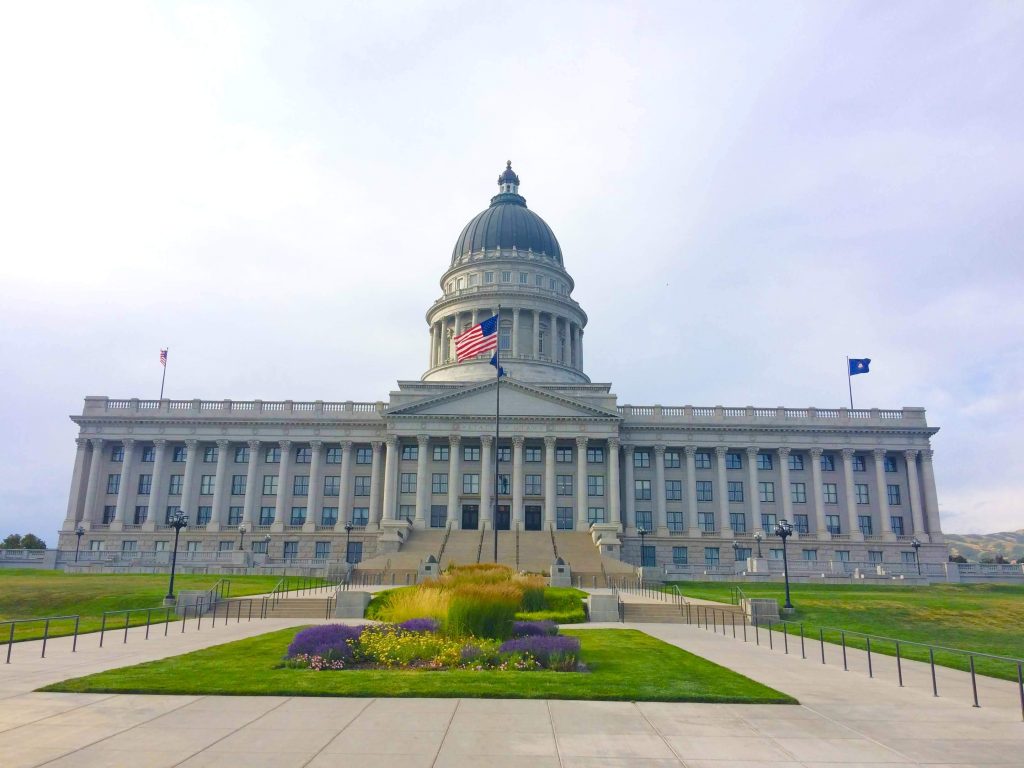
{"x": 917, "y": 555}
{"x": 241, "y": 537}
{"x": 736, "y": 551}
{"x": 79, "y": 533}
{"x": 642, "y": 532}
{"x": 266, "y": 545}
{"x": 758, "y": 537}
{"x": 784, "y": 530}
{"x": 177, "y": 521}
{"x": 348, "y": 536}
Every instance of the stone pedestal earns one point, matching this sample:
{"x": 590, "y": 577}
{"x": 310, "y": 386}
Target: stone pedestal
{"x": 561, "y": 574}
{"x": 351, "y": 605}
{"x": 606, "y": 537}
{"x": 429, "y": 569}
{"x": 393, "y": 535}
{"x": 603, "y": 606}
{"x": 757, "y": 565}
{"x": 760, "y": 610}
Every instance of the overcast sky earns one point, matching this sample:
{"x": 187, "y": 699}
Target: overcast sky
{"x": 745, "y": 193}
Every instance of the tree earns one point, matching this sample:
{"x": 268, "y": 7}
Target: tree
{"x": 31, "y": 541}
{"x": 11, "y": 542}
{"x": 1000, "y": 560}
{"x": 958, "y": 558}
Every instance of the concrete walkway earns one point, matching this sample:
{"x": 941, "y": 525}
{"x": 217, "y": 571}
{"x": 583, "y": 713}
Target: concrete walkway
{"x": 845, "y": 718}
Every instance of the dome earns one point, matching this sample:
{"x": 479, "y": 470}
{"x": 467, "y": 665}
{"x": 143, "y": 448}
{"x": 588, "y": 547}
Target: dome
{"x": 507, "y": 223}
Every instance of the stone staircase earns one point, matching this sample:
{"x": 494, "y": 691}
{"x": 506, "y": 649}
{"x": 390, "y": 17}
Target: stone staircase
{"x": 290, "y": 607}
{"x": 669, "y": 613}
{"x": 463, "y": 548}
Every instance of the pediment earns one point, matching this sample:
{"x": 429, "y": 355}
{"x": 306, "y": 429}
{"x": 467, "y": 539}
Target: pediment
{"x": 517, "y": 400}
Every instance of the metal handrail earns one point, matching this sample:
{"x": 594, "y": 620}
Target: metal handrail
{"x": 46, "y": 631}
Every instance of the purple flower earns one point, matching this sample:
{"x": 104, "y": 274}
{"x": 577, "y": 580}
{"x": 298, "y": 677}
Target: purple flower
{"x": 528, "y": 628}
{"x": 420, "y": 625}
{"x": 552, "y": 651}
{"x": 471, "y": 653}
{"x": 331, "y": 641}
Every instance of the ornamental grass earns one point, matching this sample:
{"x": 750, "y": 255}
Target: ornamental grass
{"x": 426, "y": 601}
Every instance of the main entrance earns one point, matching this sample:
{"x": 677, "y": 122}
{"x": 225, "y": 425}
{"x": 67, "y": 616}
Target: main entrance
{"x": 503, "y": 521}
{"x": 470, "y": 517}
{"x": 532, "y": 515}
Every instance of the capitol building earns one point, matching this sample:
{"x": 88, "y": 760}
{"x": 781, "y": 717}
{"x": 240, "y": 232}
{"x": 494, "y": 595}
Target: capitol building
{"x": 386, "y": 483}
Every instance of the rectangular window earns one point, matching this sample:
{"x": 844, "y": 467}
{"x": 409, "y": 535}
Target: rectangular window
{"x": 270, "y": 485}
{"x": 109, "y": 511}
{"x": 113, "y": 483}
{"x": 328, "y": 516}
{"x": 703, "y": 490}
{"x": 488, "y": 277}
{"x": 563, "y": 485}
{"x": 673, "y": 490}
{"x": 680, "y": 556}
{"x": 360, "y": 516}
{"x": 179, "y": 454}
{"x": 332, "y": 485}
{"x": 407, "y": 482}
{"x": 538, "y": 280}
{"x": 648, "y": 556}
{"x": 117, "y": 454}
{"x": 643, "y": 520}
{"x": 860, "y": 490}
{"x": 764, "y": 461}
{"x": 642, "y": 459}
{"x": 291, "y": 550}
{"x": 364, "y": 455}
{"x": 203, "y": 515}
{"x": 595, "y": 455}
{"x": 735, "y": 488}
{"x": 406, "y": 511}
{"x": 470, "y": 453}
{"x": 563, "y": 518}
{"x": 563, "y": 455}
{"x": 504, "y": 453}
{"x": 241, "y": 455}
{"x": 702, "y": 460}
{"x": 504, "y": 484}
{"x": 532, "y": 455}
{"x": 235, "y": 515}
{"x": 830, "y": 493}
{"x": 775, "y": 554}
{"x": 531, "y": 485}
{"x": 893, "y": 492}
{"x": 524, "y": 278}
{"x": 506, "y": 276}
{"x": 298, "y": 516}
{"x": 742, "y": 554}
{"x": 272, "y": 456}
{"x": 706, "y": 521}
{"x": 810, "y": 555}
{"x": 766, "y": 492}
{"x": 174, "y": 485}
{"x": 439, "y": 513}
{"x": 798, "y": 493}
{"x": 322, "y": 550}
{"x": 332, "y": 456}
{"x": 832, "y": 524}
{"x": 874, "y": 556}
{"x": 355, "y": 552}
{"x": 238, "y": 485}
{"x": 410, "y": 452}
{"x": 266, "y": 515}
{"x": 595, "y": 485}
{"x": 171, "y": 511}
{"x": 843, "y": 555}
{"x": 148, "y": 454}
{"x": 642, "y": 490}
{"x": 896, "y": 521}
{"x": 145, "y": 484}
{"x": 595, "y": 515}
{"x": 828, "y": 462}
{"x": 674, "y": 521}
{"x": 129, "y": 546}
{"x": 439, "y": 482}
{"x": 95, "y": 546}
{"x": 864, "y": 524}
{"x": 141, "y": 513}
{"x": 733, "y": 461}
{"x": 859, "y": 464}
{"x": 796, "y": 461}
{"x": 890, "y": 464}
{"x": 260, "y": 547}
{"x": 711, "y": 555}
{"x": 768, "y": 522}
{"x": 441, "y": 452}
{"x": 206, "y": 485}
{"x": 672, "y": 460}
{"x": 474, "y": 280}
{"x": 471, "y": 483}
{"x": 210, "y": 454}
{"x": 362, "y": 485}
{"x": 907, "y": 558}
{"x": 738, "y": 522}
{"x": 800, "y": 524}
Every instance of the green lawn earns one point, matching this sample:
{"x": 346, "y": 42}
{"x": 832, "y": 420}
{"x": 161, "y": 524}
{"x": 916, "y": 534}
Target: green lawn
{"x": 625, "y": 664}
{"x": 978, "y": 617}
{"x": 28, "y": 593}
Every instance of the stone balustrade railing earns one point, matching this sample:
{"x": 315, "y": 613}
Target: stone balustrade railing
{"x": 218, "y": 408}
{"x": 748, "y": 414}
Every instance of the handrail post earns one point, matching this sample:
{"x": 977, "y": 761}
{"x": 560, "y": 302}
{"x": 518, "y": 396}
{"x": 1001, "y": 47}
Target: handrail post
{"x": 10, "y": 643}
{"x": 974, "y": 682}
{"x": 46, "y": 635}
{"x": 821, "y": 638}
{"x": 149, "y": 613}
{"x": 785, "y": 637}
{"x": 931, "y": 659}
{"x": 127, "y": 618}
{"x": 167, "y": 619}
{"x": 74, "y": 641}
{"x": 771, "y": 644}
{"x": 757, "y": 630}
{"x": 103, "y": 627}
{"x": 803, "y": 653}
{"x": 843, "y": 635}
{"x": 1020, "y": 687}
{"x": 871, "y": 672}
{"x": 899, "y": 664}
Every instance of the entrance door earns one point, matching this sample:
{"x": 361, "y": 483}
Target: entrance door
{"x": 532, "y": 514}
{"x": 504, "y": 519}
{"x": 470, "y": 516}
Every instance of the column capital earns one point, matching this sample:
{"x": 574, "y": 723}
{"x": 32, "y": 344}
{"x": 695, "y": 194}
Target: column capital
{"x": 848, "y": 453}
{"x": 254, "y": 445}
{"x": 581, "y": 443}
{"x": 518, "y": 441}
{"x": 392, "y": 442}
{"x": 911, "y": 454}
{"x": 690, "y": 450}
{"x": 486, "y": 439}
{"x": 159, "y": 442}
{"x": 222, "y": 444}
{"x": 81, "y": 442}
{"x": 97, "y": 442}
{"x": 926, "y": 454}
{"x": 753, "y": 450}
{"x": 316, "y": 445}
{"x": 454, "y": 440}
{"x": 628, "y": 448}
{"x": 613, "y": 443}
{"x": 191, "y": 443}
{"x": 515, "y": 311}
{"x": 346, "y": 445}
{"x": 284, "y": 444}
{"x": 659, "y": 450}
{"x": 549, "y": 442}
{"x": 376, "y": 445}
{"x": 422, "y": 440}
{"x": 128, "y": 442}
{"x": 784, "y": 452}
{"x": 816, "y": 452}
{"x": 878, "y": 453}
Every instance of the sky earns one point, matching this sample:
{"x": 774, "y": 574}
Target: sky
{"x": 745, "y": 194}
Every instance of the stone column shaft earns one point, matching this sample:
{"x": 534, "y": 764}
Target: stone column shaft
{"x": 536, "y": 334}
{"x": 486, "y": 481}
{"x": 550, "y": 498}
{"x": 345, "y": 493}
{"x": 851, "y": 497}
{"x": 220, "y": 488}
{"x": 515, "y": 332}
{"x": 90, "y": 514}
{"x": 390, "y": 478}
{"x": 375, "y": 483}
{"x": 660, "y": 514}
{"x": 691, "y": 491}
{"x": 815, "y": 497}
{"x": 454, "y": 481}
{"x": 422, "y": 480}
{"x": 882, "y": 494}
{"x": 283, "y": 491}
{"x": 582, "y": 499}
{"x": 125, "y": 491}
{"x": 931, "y": 496}
{"x": 787, "y": 495}
{"x": 614, "y": 510}
{"x": 755, "y": 493}
{"x": 158, "y": 488}
{"x": 630, "y": 486}
{"x": 915, "y": 493}
{"x": 517, "y": 481}
{"x": 252, "y": 492}
{"x": 77, "y": 484}
{"x": 313, "y": 499}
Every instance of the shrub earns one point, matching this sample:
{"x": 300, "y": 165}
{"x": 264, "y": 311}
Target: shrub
{"x": 482, "y": 610}
{"x": 530, "y": 628}
{"x": 556, "y": 652}
{"x": 533, "y": 593}
{"x": 329, "y": 641}
{"x": 420, "y": 625}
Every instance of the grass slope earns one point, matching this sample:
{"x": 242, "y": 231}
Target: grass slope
{"x": 977, "y": 617}
{"x": 28, "y": 593}
{"x": 626, "y": 665}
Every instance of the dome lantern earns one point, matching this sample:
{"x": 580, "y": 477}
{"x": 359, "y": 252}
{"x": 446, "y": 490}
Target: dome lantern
{"x": 509, "y": 181}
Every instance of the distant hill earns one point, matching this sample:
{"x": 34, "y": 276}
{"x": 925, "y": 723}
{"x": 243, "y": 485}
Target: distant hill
{"x": 1009, "y": 544}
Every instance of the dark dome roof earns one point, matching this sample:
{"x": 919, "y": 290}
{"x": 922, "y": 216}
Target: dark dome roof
{"x": 507, "y": 223}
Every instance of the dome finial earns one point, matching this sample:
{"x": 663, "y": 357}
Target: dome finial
{"x": 508, "y": 181}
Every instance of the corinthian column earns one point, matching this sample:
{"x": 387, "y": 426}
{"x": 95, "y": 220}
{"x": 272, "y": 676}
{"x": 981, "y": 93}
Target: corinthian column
{"x": 375, "y": 470}
{"x": 931, "y": 496}
{"x": 851, "y": 498}
{"x": 125, "y": 491}
{"x": 691, "y": 491}
{"x": 345, "y": 494}
{"x": 660, "y": 516}
{"x": 755, "y": 491}
{"x": 283, "y": 494}
{"x": 93, "y": 484}
{"x": 515, "y": 332}
{"x": 422, "y": 480}
{"x": 724, "y": 527}
{"x": 815, "y": 496}
{"x": 158, "y": 488}
{"x": 630, "y": 487}
{"x": 915, "y": 494}
{"x": 517, "y": 480}
{"x": 390, "y": 477}
{"x": 550, "y": 499}
{"x": 582, "y": 499}
{"x": 486, "y": 481}
{"x": 188, "y": 486}
{"x": 882, "y": 494}
{"x": 787, "y": 496}
{"x": 614, "y": 512}
{"x": 220, "y": 487}
{"x": 314, "y": 495}
{"x": 77, "y": 481}
{"x": 454, "y": 481}
{"x": 252, "y": 493}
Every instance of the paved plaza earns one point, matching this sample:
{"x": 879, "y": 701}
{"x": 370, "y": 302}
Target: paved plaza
{"x": 845, "y": 718}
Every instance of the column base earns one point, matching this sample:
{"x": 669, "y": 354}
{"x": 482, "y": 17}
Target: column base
{"x": 149, "y": 526}
{"x": 726, "y": 533}
{"x": 213, "y": 527}
{"x": 394, "y": 532}
{"x": 117, "y": 524}
{"x": 68, "y": 527}
{"x": 888, "y": 536}
{"x": 309, "y": 527}
{"x": 277, "y": 527}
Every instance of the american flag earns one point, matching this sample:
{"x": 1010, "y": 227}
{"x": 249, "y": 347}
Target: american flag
{"x": 163, "y": 357}
{"x": 480, "y": 338}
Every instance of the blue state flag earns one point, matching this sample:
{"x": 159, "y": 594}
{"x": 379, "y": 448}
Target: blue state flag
{"x": 859, "y": 365}
{"x": 494, "y": 362}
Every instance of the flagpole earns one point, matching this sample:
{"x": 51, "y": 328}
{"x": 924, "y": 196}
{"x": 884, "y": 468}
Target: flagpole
{"x": 849, "y": 381}
{"x": 163, "y": 376}
{"x": 497, "y": 430}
